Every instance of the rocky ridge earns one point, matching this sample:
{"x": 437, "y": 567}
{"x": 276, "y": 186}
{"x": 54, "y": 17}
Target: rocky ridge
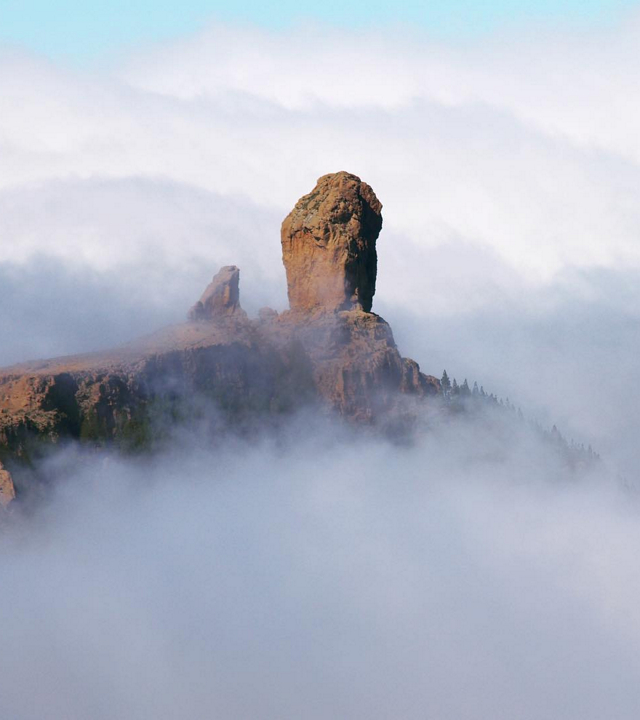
{"x": 328, "y": 352}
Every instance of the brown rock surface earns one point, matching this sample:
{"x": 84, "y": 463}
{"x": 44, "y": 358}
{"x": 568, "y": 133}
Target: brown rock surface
{"x": 7, "y": 491}
{"x": 357, "y": 369}
{"x": 329, "y": 246}
{"x": 221, "y": 297}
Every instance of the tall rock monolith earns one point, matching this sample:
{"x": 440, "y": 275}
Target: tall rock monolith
{"x": 329, "y": 246}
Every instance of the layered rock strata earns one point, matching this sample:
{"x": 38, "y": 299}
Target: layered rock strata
{"x": 328, "y": 352}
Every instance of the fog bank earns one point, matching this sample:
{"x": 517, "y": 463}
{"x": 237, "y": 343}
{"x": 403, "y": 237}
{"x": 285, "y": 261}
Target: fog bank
{"x": 466, "y": 577}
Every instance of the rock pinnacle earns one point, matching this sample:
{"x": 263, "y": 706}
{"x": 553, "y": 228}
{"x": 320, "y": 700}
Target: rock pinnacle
{"x": 220, "y": 298}
{"x": 329, "y": 246}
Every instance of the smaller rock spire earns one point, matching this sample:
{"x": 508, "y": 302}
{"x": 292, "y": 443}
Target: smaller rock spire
{"x": 221, "y": 298}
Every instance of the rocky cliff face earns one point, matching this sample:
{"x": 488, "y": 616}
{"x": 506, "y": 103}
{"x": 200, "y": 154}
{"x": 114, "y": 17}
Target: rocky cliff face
{"x": 328, "y": 352}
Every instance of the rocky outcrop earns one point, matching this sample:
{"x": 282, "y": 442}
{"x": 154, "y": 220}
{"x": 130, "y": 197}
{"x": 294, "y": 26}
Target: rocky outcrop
{"x": 329, "y": 246}
{"x": 221, "y": 297}
{"x": 7, "y": 491}
{"x": 328, "y": 352}
{"x": 357, "y": 369}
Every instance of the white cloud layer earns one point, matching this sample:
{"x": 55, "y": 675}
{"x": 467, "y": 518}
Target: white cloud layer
{"x": 452, "y": 580}
{"x": 526, "y": 146}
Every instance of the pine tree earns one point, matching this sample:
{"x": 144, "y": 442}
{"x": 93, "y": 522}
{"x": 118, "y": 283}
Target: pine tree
{"x": 465, "y": 391}
{"x": 446, "y": 384}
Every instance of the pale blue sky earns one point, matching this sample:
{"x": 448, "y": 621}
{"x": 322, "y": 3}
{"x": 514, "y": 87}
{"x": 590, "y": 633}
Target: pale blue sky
{"x": 83, "y": 29}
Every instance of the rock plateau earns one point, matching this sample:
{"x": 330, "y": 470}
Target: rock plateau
{"x": 328, "y": 353}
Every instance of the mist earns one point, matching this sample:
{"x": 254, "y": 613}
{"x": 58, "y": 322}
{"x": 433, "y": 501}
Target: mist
{"x": 325, "y": 575}
{"x": 318, "y": 572}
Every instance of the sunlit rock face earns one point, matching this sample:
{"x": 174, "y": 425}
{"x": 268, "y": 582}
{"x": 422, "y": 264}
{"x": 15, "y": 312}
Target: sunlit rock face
{"x": 329, "y": 246}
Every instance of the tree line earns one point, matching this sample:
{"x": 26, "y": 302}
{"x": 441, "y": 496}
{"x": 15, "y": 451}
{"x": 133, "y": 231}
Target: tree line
{"x": 461, "y": 396}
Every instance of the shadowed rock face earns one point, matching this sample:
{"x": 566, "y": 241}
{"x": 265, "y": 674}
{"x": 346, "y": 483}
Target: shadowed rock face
{"x": 329, "y": 246}
{"x": 221, "y": 297}
{"x": 329, "y": 352}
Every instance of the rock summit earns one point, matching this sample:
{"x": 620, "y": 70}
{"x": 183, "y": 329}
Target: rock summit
{"x": 329, "y": 246}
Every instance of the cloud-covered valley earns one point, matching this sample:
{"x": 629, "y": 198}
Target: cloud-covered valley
{"x": 315, "y": 577}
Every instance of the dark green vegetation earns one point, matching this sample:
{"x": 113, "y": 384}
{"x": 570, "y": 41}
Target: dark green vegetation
{"x": 460, "y": 398}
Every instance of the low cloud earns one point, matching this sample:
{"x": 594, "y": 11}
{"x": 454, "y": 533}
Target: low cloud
{"x": 466, "y": 577}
